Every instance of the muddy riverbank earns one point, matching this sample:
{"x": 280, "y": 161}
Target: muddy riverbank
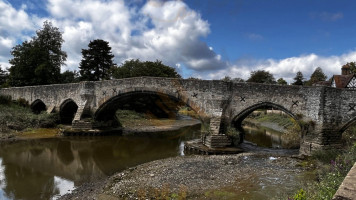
{"x": 246, "y": 175}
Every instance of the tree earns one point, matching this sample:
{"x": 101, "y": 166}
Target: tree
{"x": 97, "y": 61}
{"x": 238, "y": 80}
{"x": 136, "y": 68}
{"x": 3, "y": 77}
{"x": 38, "y": 61}
{"x": 281, "y": 81}
{"x": 261, "y": 76}
{"x": 352, "y": 66}
{"x": 298, "y": 79}
{"x": 70, "y": 77}
{"x": 226, "y": 79}
{"x": 317, "y": 75}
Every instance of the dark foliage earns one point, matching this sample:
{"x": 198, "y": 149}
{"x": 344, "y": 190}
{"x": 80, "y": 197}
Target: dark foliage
{"x": 97, "y": 61}
{"x": 261, "y": 76}
{"x": 38, "y": 61}
{"x": 298, "y": 79}
{"x": 136, "y": 68}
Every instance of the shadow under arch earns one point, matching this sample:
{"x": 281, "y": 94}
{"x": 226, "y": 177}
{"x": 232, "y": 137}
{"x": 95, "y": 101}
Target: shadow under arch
{"x": 162, "y": 100}
{"x": 38, "y": 106}
{"x": 243, "y": 114}
{"x": 67, "y": 111}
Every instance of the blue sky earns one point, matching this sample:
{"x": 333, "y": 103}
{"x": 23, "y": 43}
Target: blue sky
{"x": 208, "y": 39}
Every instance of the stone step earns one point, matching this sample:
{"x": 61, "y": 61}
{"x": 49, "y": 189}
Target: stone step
{"x": 82, "y": 125}
{"x": 217, "y": 141}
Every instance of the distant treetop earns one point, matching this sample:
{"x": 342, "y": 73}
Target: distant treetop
{"x": 136, "y": 68}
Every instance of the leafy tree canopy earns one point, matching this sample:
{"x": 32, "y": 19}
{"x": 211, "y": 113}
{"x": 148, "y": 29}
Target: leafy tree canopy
{"x": 352, "y": 66}
{"x": 261, "y": 76}
{"x": 281, "y": 81}
{"x": 97, "y": 61}
{"x": 136, "y": 68}
{"x": 298, "y": 79}
{"x": 3, "y": 77}
{"x": 38, "y": 61}
{"x": 70, "y": 77}
{"x": 317, "y": 75}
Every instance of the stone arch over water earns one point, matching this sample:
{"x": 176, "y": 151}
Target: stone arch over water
{"x": 347, "y": 125}
{"x": 38, "y": 106}
{"x": 244, "y": 113}
{"x": 237, "y": 120}
{"x": 159, "y": 100}
{"x": 67, "y": 111}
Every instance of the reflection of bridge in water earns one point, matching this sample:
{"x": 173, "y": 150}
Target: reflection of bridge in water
{"x": 323, "y": 112}
{"x": 34, "y": 166}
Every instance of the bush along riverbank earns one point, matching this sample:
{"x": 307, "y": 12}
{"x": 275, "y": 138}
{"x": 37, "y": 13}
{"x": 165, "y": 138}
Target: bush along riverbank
{"x": 331, "y": 167}
{"x": 17, "y": 116}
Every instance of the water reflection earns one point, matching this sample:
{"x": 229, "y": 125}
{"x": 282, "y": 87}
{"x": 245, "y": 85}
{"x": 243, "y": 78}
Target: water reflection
{"x": 264, "y": 137}
{"x": 47, "y": 168}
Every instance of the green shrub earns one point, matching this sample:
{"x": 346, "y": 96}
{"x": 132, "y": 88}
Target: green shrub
{"x": 22, "y": 102}
{"x": 336, "y": 165}
{"x": 301, "y": 195}
{"x": 5, "y": 100}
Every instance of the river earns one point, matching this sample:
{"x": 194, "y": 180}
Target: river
{"x": 48, "y": 168}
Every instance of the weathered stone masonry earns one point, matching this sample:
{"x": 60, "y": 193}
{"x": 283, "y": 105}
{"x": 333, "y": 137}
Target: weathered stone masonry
{"x": 324, "y": 112}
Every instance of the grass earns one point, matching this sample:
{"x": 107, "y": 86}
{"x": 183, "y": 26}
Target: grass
{"x": 282, "y": 120}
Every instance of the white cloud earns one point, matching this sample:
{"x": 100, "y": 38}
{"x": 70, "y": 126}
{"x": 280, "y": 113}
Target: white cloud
{"x": 254, "y": 36}
{"x": 327, "y": 16}
{"x": 286, "y": 68}
{"x": 13, "y": 22}
{"x": 165, "y": 30}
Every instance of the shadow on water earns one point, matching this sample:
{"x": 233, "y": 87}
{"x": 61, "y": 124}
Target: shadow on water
{"x": 47, "y": 168}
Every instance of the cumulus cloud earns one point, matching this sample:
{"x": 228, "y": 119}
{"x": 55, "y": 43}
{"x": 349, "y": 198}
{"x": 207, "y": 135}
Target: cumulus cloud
{"x": 286, "y": 68}
{"x": 165, "y": 30}
{"x": 327, "y": 16}
{"x": 254, "y": 36}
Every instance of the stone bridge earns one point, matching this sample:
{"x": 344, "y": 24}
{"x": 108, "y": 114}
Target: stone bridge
{"x": 322, "y": 112}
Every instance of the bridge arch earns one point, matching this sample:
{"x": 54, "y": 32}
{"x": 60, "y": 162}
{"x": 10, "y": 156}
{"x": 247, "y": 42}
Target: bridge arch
{"x": 243, "y": 114}
{"x": 347, "y": 125}
{"x": 38, "y": 106}
{"x": 166, "y": 100}
{"x": 67, "y": 111}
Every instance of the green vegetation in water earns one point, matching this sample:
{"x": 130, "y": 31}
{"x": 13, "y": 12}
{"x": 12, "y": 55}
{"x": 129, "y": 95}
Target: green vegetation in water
{"x": 333, "y": 166}
{"x": 17, "y": 116}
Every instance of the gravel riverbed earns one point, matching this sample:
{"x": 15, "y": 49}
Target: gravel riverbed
{"x": 241, "y": 176}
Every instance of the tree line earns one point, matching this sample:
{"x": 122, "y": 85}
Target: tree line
{"x": 262, "y": 76}
{"x": 39, "y": 60}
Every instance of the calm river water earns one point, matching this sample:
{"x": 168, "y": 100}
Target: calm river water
{"x": 48, "y": 168}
